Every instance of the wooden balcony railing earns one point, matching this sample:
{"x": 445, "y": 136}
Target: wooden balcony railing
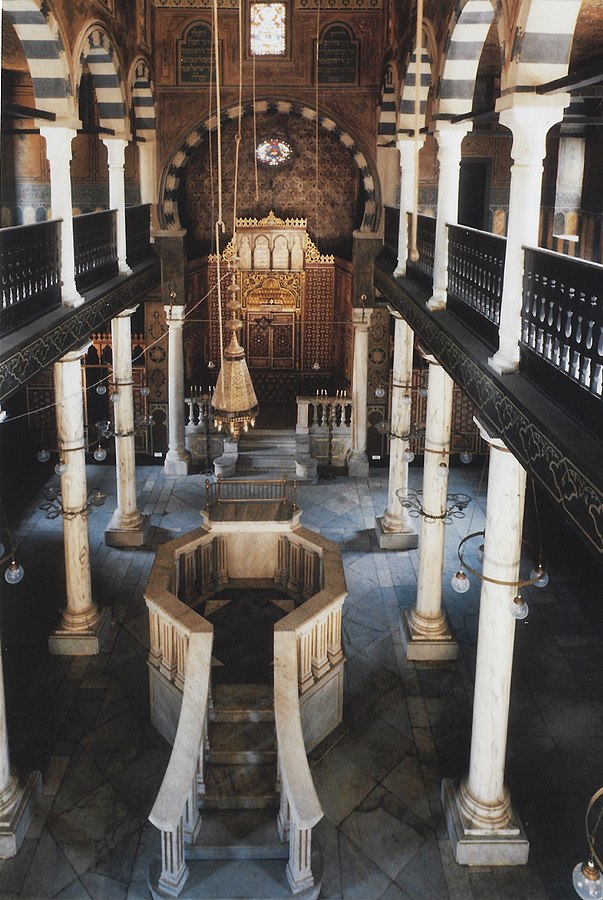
{"x": 30, "y": 271}
{"x": 138, "y": 233}
{"x": 562, "y": 331}
{"x": 476, "y": 263}
{"x": 391, "y": 230}
{"x": 95, "y": 248}
{"x": 421, "y": 269}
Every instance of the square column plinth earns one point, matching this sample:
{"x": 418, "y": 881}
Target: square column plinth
{"x": 395, "y": 540}
{"x": 474, "y": 846}
{"x": 14, "y": 823}
{"x": 429, "y": 646}
{"x": 73, "y": 643}
{"x": 127, "y": 537}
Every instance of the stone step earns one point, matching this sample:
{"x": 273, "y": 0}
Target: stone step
{"x": 240, "y": 787}
{"x": 255, "y": 461}
{"x": 237, "y": 879}
{"x": 241, "y": 743}
{"x": 238, "y": 834}
{"x": 242, "y": 703}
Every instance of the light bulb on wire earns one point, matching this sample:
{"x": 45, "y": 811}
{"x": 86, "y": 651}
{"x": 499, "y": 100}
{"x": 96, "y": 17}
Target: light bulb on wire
{"x": 587, "y": 881}
{"x": 43, "y": 455}
{"x": 61, "y": 467}
{"x": 460, "y": 582}
{"x": 408, "y": 455}
{"x": 539, "y": 575}
{"x": 519, "y": 607}
{"x": 100, "y": 454}
{"x": 466, "y": 457}
{"x": 14, "y": 573}
{"x": 101, "y": 389}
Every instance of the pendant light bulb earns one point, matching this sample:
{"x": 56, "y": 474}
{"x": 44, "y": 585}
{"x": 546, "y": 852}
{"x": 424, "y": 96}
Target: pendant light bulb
{"x": 587, "y": 881}
{"x": 101, "y": 389}
{"x": 540, "y": 576}
{"x": 14, "y": 573}
{"x": 442, "y": 470}
{"x": 466, "y": 457}
{"x": 100, "y": 454}
{"x": 145, "y": 391}
{"x": 460, "y": 582}
{"x": 43, "y": 455}
{"x": 519, "y": 607}
{"x": 61, "y": 467}
{"x": 408, "y": 455}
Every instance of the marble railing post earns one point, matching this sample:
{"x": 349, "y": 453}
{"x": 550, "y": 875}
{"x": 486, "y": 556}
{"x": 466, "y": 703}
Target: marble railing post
{"x": 58, "y": 154}
{"x": 177, "y": 460}
{"x": 394, "y": 529}
{"x": 482, "y": 825}
{"x": 529, "y": 118}
{"x": 357, "y": 458}
{"x": 449, "y": 138}
{"x": 116, "y": 150}
{"x": 17, "y": 798}
{"x": 128, "y": 527}
{"x": 408, "y": 149}
{"x": 425, "y": 630}
{"x": 83, "y": 626}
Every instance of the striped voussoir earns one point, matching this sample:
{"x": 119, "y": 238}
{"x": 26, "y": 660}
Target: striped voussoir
{"x": 143, "y": 102}
{"x": 467, "y": 33}
{"x": 406, "y": 109}
{"x": 42, "y": 45}
{"x": 542, "y": 43}
{"x": 169, "y": 203}
{"x": 387, "y": 116}
{"x": 99, "y": 55}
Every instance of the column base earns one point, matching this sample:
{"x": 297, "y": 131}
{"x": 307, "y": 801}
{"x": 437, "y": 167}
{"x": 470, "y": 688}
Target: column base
{"x": 116, "y": 536}
{"x": 507, "y": 846}
{"x": 399, "y": 271}
{"x": 358, "y": 464}
{"x": 15, "y": 822}
{"x": 395, "y": 540}
{"x": 69, "y": 643}
{"x": 502, "y": 364}
{"x": 177, "y": 463}
{"x": 439, "y": 645}
{"x": 437, "y": 301}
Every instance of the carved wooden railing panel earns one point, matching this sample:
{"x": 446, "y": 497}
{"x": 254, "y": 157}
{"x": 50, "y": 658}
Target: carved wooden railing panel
{"x": 95, "y": 248}
{"x": 421, "y": 269}
{"x": 476, "y": 262}
{"x": 30, "y": 271}
{"x": 232, "y": 490}
{"x": 562, "y": 330}
{"x": 138, "y": 233}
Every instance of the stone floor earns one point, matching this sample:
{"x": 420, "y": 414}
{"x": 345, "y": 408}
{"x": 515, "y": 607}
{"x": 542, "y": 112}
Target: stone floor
{"x": 84, "y": 722}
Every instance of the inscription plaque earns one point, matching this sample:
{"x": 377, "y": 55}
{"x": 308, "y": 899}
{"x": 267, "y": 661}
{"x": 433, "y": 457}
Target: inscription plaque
{"x": 195, "y": 61}
{"x": 337, "y": 56}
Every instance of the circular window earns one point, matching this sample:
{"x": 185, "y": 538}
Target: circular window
{"x": 273, "y": 152}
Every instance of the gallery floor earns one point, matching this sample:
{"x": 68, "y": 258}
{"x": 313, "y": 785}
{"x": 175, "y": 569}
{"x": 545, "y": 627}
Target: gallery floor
{"x": 84, "y": 722}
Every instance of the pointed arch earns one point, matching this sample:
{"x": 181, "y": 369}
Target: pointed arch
{"x": 43, "y": 47}
{"x": 174, "y": 170}
{"x": 98, "y": 52}
{"x": 542, "y": 43}
{"x": 467, "y": 32}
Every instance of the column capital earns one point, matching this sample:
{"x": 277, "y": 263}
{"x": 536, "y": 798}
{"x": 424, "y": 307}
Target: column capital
{"x": 529, "y": 117}
{"x": 75, "y": 354}
{"x": 361, "y": 318}
{"x": 126, "y": 313}
{"x": 58, "y": 142}
{"x": 175, "y": 314}
{"x": 116, "y": 149}
{"x": 495, "y": 442}
{"x": 408, "y": 145}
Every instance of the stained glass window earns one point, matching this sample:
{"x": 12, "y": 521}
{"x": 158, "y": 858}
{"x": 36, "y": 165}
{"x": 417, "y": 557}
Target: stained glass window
{"x": 273, "y": 151}
{"x": 267, "y": 28}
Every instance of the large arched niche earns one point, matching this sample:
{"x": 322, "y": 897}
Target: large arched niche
{"x": 347, "y": 196}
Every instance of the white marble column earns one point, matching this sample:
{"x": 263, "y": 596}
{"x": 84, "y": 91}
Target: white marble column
{"x": 116, "y": 152}
{"x": 529, "y": 118}
{"x": 18, "y": 798}
{"x": 83, "y": 626}
{"x": 147, "y": 167}
{"x": 177, "y": 460}
{"x": 482, "y": 825}
{"x": 128, "y": 527}
{"x": 58, "y": 154}
{"x": 394, "y": 529}
{"x": 408, "y": 148}
{"x": 425, "y": 631}
{"x": 449, "y": 138}
{"x": 357, "y": 459}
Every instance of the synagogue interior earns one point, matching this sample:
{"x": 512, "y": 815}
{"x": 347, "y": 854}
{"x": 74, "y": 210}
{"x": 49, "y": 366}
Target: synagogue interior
{"x": 301, "y": 449}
